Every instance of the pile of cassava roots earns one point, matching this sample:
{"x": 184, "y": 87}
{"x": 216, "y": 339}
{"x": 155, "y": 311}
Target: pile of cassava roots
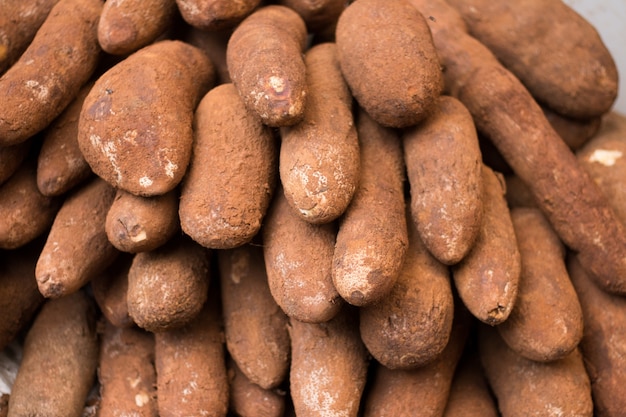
{"x": 374, "y": 208}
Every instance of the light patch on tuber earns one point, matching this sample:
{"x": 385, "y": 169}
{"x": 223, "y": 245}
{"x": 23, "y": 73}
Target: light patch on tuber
{"x": 605, "y": 157}
{"x": 353, "y": 276}
{"x": 277, "y": 84}
{"x": 142, "y": 399}
{"x": 284, "y": 266}
{"x": 145, "y": 181}
{"x": 110, "y": 151}
{"x": 240, "y": 265}
{"x": 40, "y": 91}
{"x": 189, "y": 6}
{"x": 139, "y": 237}
{"x": 170, "y": 168}
{"x": 317, "y": 396}
{"x": 554, "y": 411}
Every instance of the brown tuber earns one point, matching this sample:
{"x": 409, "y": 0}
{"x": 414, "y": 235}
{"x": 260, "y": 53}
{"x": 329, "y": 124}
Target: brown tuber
{"x": 388, "y": 58}
{"x": 264, "y": 57}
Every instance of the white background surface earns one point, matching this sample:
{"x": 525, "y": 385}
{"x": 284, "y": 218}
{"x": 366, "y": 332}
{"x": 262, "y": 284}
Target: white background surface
{"x": 609, "y": 18}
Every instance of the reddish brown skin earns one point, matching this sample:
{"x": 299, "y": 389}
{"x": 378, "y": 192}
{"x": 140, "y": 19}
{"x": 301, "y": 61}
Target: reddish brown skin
{"x": 487, "y": 278}
{"x": 213, "y": 15}
{"x": 388, "y": 58}
{"x": 419, "y": 392}
{"x": 4, "y": 405}
{"x": 26, "y": 213}
{"x": 254, "y": 325}
{"x": 128, "y": 25}
{"x": 59, "y": 361}
{"x": 167, "y": 287}
{"x": 523, "y": 387}
{"x": 317, "y": 14}
{"x": 232, "y": 174}
{"x": 328, "y": 366}
{"x": 517, "y": 193}
{"x": 469, "y": 393}
{"x": 505, "y": 111}
{"x": 264, "y": 58}
{"x": 60, "y": 163}
{"x": 604, "y": 335}
{"x": 214, "y": 45}
{"x": 77, "y": 247}
{"x": 49, "y": 74}
{"x": 604, "y": 158}
{"x": 20, "y": 297}
{"x": 574, "y": 132}
{"x": 372, "y": 239}
{"x": 126, "y": 373}
{"x": 191, "y": 367}
{"x": 140, "y": 224}
{"x": 110, "y": 288}
{"x": 11, "y": 158}
{"x": 546, "y": 322}
{"x": 20, "y": 21}
{"x": 443, "y": 161}
{"x": 603, "y": 341}
{"x": 587, "y": 81}
{"x": 144, "y": 105}
{"x": 298, "y": 259}
{"x": 319, "y": 157}
{"x": 410, "y": 326}
{"x": 249, "y": 399}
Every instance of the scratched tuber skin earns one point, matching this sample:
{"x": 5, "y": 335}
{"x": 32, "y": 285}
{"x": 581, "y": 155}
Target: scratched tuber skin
{"x": 47, "y": 77}
{"x": 264, "y": 57}
{"x": 144, "y": 106}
